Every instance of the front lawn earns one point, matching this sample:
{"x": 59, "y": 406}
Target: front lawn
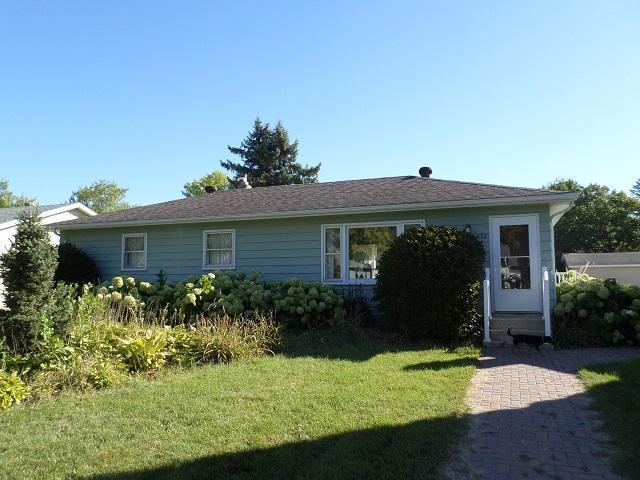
{"x": 362, "y": 409}
{"x": 615, "y": 388}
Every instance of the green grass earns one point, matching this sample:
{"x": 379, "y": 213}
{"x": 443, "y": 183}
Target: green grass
{"x": 364, "y": 409}
{"x": 615, "y": 388}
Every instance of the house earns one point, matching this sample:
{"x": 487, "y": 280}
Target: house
{"x": 49, "y": 214}
{"x": 623, "y": 266}
{"x": 334, "y": 232}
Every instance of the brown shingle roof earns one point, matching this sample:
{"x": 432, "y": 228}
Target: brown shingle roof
{"x": 288, "y": 199}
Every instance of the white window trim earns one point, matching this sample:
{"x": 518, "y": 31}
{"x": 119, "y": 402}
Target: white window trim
{"x": 344, "y": 248}
{"x": 124, "y": 268}
{"x": 233, "y": 250}
{"x": 332, "y": 281}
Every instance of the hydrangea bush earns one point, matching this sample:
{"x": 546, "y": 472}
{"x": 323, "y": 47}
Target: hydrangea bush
{"x": 295, "y": 302}
{"x": 592, "y": 312}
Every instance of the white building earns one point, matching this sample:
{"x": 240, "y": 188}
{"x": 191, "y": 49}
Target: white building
{"x": 623, "y": 266}
{"x": 48, "y": 213}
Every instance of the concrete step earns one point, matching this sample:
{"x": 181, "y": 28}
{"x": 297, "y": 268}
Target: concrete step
{"x": 503, "y": 343}
{"x": 517, "y": 323}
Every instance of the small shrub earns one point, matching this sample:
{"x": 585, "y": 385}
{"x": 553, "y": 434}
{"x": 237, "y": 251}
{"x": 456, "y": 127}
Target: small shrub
{"x": 75, "y": 266}
{"x": 81, "y": 372}
{"x": 358, "y": 309}
{"x": 428, "y": 283}
{"x": 27, "y": 270}
{"x": 12, "y": 390}
{"x": 595, "y": 312}
{"x": 60, "y": 308}
{"x": 21, "y": 331}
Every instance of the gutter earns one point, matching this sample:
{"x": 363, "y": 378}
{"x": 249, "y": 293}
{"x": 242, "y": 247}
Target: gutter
{"x": 54, "y": 211}
{"x": 562, "y": 198}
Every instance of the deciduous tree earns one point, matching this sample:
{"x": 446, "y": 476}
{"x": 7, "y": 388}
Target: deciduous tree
{"x": 9, "y": 199}
{"x": 601, "y": 220}
{"x": 217, "y": 179}
{"x": 102, "y": 196}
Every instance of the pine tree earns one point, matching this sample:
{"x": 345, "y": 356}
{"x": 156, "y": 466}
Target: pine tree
{"x": 269, "y": 158}
{"x": 27, "y": 270}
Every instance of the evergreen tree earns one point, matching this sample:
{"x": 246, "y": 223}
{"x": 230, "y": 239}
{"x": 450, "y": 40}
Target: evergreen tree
{"x": 635, "y": 190}
{"x": 269, "y": 158}
{"x": 27, "y": 270}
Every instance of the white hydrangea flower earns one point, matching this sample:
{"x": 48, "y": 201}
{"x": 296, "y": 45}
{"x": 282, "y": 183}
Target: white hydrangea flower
{"x": 117, "y": 282}
{"x": 131, "y": 282}
{"x": 116, "y": 295}
{"x": 191, "y": 298}
{"x": 129, "y": 301}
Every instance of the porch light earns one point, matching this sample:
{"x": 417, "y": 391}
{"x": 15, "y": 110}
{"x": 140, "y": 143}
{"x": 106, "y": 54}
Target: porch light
{"x": 467, "y": 229}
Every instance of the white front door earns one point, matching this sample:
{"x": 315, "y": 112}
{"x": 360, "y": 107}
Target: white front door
{"x": 515, "y": 263}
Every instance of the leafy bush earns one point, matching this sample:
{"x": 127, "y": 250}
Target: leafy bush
{"x": 593, "y": 312}
{"x": 75, "y": 266}
{"x": 429, "y": 283}
{"x": 12, "y": 390}
{"x": 60, "y": 308}
{"x": 27, "y": 270}
{"x": 20, "y": 330}
{"x": 295, "y": 303}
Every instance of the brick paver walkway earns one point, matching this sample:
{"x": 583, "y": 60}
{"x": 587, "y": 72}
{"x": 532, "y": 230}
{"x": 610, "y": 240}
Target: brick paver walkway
{"x": 531, "y": 418}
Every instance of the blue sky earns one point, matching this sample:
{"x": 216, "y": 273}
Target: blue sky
{"x": 149, "y": 94}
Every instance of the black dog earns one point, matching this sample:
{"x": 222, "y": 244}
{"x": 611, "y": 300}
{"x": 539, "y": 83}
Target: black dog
{"x": 532, "y": 340}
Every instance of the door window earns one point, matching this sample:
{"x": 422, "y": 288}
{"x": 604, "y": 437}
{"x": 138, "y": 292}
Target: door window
{"x": 515, "y": 260}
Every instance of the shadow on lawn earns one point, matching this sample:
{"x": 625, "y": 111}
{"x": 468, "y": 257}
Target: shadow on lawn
{"x": 415, "y": 450}
{"x": 357, "y": 346}
{"x": 442, "y": 365}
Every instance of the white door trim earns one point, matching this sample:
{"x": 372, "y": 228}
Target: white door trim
{"x": 534, "y": 304}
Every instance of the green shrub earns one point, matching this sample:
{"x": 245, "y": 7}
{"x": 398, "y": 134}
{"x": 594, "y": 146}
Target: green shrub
{"x": 594, "y": 312}
{"x": 12, "y": 390}
{"x": 60, "y": 308}
{"x": 21, "y": 331}
{"x": 75, "y": 266}
{"x": 27, "y": 270}
{"x": 428, "y": 283}
{"x": 80, "y": 372}
{"x": 295, "y": 303}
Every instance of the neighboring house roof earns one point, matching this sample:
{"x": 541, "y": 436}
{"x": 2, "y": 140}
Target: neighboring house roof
{"x": 9, "y": 216}
{"x": 350, "y": 196}
{"x": 613, "y": 259}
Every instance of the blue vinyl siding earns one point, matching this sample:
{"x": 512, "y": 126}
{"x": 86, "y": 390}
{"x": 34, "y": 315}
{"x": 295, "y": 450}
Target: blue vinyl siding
{"x": 278, "y": 249}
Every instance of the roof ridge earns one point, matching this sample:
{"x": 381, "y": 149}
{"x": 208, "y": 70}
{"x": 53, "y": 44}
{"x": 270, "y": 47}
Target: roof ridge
{"x": 495, "y": 185}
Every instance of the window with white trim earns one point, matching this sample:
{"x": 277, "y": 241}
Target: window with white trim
{"x": 351, "y": 252}
{"x": 218, "y": 249}
{"x": 332, "y": 254}
{"x": 134, "y": 251}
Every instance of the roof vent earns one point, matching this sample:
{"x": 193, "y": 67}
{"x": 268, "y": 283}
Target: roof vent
{"x": 243, "y": 182}
{"x": 209, "y": 188}
{"x": 425, "y": 172}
